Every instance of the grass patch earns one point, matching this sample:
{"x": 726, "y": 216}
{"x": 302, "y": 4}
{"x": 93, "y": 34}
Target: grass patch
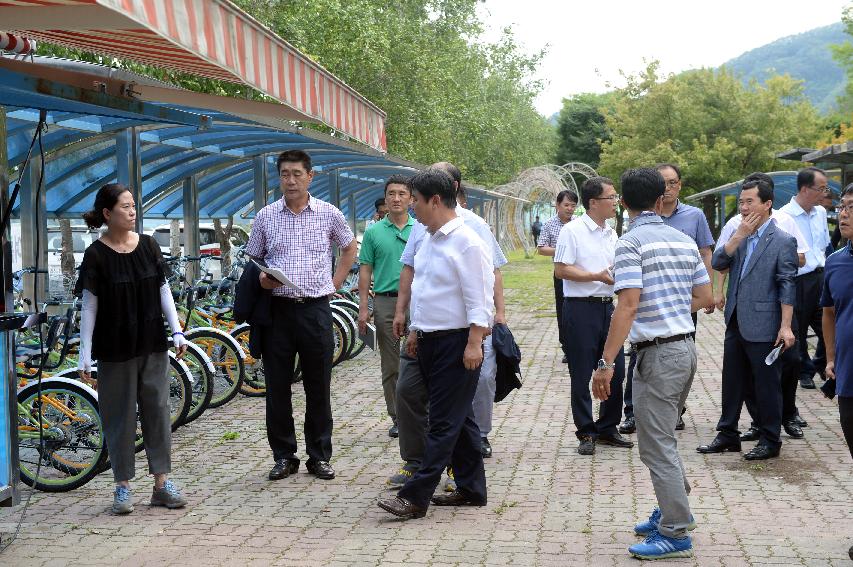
{"x": 230, "y": 436}
{"x": 504, "y": 506}
{"x": 528, "y": 281}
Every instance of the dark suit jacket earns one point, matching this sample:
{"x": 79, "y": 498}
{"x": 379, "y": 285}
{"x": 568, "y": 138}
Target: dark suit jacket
{"x": 767, "y": 283}
{"x": 253, "y": 304}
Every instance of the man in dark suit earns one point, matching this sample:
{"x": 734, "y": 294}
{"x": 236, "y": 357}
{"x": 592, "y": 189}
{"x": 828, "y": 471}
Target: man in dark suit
{"x": 762, "y": 264}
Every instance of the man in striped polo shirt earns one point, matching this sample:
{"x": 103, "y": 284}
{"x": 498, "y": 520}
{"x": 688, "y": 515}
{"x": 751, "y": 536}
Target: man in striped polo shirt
{"x": 660, "y": 280}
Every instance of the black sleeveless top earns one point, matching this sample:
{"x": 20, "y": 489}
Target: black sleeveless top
{"x": 130, "y": 320}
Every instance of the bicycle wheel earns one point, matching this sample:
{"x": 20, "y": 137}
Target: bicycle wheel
{"x": 180, "y": 391}
{"x": 71, "y": 449}
{"x": 340, "y": 339}
{"x": 254, "y": 384}
{"x": 202, "y": 370}
{"x": 349, "y": 311}
{"x": 227, "y": 358}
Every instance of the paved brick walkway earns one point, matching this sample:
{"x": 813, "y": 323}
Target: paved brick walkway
{"x": 547, "y": 505}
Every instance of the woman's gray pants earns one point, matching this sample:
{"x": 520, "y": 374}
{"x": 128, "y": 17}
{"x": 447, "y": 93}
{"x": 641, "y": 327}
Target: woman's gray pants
{"x": 121, "y": 386}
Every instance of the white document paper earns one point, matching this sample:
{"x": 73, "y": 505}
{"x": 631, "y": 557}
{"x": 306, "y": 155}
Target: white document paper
{"x": 277, "y": 274}
{"x": 369, "y": 337}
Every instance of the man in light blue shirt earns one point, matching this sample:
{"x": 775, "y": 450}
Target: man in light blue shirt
{"x": 810, "y": 217}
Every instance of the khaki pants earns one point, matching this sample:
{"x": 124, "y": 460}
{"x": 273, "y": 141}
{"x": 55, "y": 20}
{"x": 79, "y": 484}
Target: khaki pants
{"x": 389, "y": 349}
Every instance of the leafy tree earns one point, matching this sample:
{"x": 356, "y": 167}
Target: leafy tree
{"x": 581, "y": 128}
{"x": 843, "y": 54}
{"x": 709, "y": 123}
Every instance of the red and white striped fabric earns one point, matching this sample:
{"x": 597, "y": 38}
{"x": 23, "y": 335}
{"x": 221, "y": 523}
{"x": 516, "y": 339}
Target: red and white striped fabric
{"x": 15, "y": 44}
{"x": 208, "y": 38}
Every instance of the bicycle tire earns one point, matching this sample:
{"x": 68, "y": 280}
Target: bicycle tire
{"x": 180, "y": 391}
{"x": 350, "y": 308}
{"x": 254, "y": 384}
{"x": 202, "y": 370}
{"x": 62, "y": 451}
{"x": 227, "y": 358}
{"x": 339, "y": 339}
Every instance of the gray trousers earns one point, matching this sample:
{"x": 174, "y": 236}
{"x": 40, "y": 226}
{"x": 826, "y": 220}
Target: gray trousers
{"x": 389, "y": 349}
{"x": 662, "y": 380}
{"x": 121, "y": 386}
{"x": 413, "y": 403}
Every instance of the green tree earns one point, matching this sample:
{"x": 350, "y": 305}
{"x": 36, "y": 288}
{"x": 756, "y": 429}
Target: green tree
{"x": 843, "y": 54}
{"x": 709, "y": 123}
{"x": 581, "y": 128}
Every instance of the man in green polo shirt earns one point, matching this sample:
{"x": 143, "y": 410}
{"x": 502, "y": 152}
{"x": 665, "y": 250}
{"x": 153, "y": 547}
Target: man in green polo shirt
{"x": 381, "y": 248}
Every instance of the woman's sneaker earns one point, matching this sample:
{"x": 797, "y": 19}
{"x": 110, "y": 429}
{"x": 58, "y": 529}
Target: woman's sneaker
{"x": 657, "y": 546}
{"x": 168, "y": 496}
{"x": 122, "y": 500}
{"x": 403, "y": 475}
{"x": 651, "y": 525}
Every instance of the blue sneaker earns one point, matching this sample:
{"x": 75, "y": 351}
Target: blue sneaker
{"x": 651, "y": 525}
{"x": 122, "y": 500}
{"x": 657, "y": 546}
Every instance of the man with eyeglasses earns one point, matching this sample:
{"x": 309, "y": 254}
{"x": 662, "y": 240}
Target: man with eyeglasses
{"x": 811, "y": 219}
{"x": 586, "y": 250}
{"x": 837, "y": 303}
{"x": 690, "y": 221}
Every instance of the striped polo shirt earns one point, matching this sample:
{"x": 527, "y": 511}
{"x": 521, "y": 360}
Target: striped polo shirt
{"x": 665, "y": 264}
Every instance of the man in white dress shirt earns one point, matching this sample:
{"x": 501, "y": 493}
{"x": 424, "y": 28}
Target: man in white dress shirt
{"x": 452, "y": 311}
{"x": 810, "y": 217}
{"x": 584, "y": 259}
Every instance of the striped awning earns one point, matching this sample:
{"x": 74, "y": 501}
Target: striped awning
{"x": 207, "y": 38}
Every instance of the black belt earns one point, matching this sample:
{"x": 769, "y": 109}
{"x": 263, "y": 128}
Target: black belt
{"x": 814, "y": 272}
{"x": 591, "y": 299}
{"x": 437, "y": 334}
{"x": 386, "y": 293}
{"x": 663, "y": 341}
{"x": 301, "y": 299}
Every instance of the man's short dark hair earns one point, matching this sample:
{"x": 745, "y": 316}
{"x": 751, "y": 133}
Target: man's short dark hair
{"x": 434, "y": 181}
{"x": 566, "y": 194}
{"x": 397, "y": 179}
{"x": 805, "y": 177}
{"x": 378, "y": 203}
{"x": 662, "y": 166}
{"x": 759, "y": 176}
{"x": 592, "y": 188}
{"x": 292, "y": 156}
{"x": 765, "y": 191}
{"x": 847, "y": 190}
{"x": 642, "y": 187}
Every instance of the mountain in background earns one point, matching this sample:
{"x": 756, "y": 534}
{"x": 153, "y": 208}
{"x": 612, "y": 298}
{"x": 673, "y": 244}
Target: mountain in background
{"x": 804, "y": 56}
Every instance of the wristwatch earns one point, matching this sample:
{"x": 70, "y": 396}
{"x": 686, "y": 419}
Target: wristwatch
{"x": 602, "y": 365}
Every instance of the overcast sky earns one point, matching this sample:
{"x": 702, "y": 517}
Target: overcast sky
{"x": 590, "y": 41}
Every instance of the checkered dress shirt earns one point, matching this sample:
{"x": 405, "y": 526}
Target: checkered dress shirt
{"x": 550, "y": 232}
{"x": 300, "y": 245}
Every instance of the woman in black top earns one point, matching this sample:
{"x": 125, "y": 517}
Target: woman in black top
{"x": 125, "y": 296}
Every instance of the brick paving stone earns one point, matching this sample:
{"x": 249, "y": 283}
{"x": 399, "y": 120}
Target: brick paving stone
{"x": 547, "y": 504}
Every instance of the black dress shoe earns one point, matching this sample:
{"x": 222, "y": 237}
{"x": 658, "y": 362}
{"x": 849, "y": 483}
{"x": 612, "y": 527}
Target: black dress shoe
{"x": 680, "y": 425}
{"x": 807, "y": 382}
{"x": 751, "y": 434}
{"x": 587, "y": 445}
{"x": 402, "y": 508}
{"x": 457, "y": 498}
{"x": 321, "y": 469}
{"x": 486, "y": 448}
{"x": 283, "y": 468}
{"x": 615, "y": 440}
{"x": 761, "y": 452}
{"x": 394, "y": 432}
{"x": 800, "y": 421}
{"x": 793, "y": 430}
{"x": 628, "y": 426}
{"x": 719, "y": 446}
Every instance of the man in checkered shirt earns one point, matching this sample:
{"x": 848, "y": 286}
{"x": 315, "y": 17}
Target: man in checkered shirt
{"x": 295, "y": 235}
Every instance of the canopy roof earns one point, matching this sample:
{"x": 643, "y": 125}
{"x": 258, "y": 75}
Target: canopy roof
{"x": 207, "y": 38}
{"x": 221, "y": 151}
{"x": 784, "y": 182}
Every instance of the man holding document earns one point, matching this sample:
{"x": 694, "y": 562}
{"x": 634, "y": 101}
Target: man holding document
{"x": 295, "y": 236}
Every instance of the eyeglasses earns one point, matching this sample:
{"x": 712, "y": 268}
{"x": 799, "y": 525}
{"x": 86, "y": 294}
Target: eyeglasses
{"x": 848, "y": 208}
{"x": 821, "y": 189}
{"x": 673, "y": 182}
{"x": 610, "y": 198}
